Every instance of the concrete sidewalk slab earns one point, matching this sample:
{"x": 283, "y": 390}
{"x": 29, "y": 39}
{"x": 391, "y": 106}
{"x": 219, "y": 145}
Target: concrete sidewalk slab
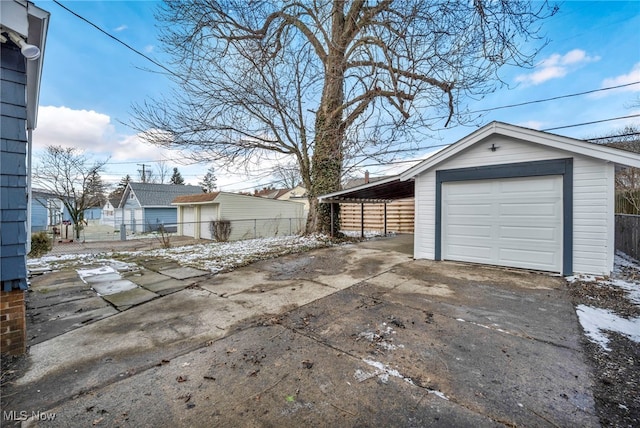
{"x": 167, "y": 286}
{"x": 112, "y": 287}
{"x": 126, "y": 299}
{"x": 183, "y": 272}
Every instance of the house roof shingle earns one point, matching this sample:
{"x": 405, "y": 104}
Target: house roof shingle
{"x": 158, "y": 195}
{"x": 205, "y": 197}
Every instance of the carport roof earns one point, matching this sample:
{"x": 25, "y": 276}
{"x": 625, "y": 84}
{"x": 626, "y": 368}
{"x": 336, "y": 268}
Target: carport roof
{"x": 381, "y": 191}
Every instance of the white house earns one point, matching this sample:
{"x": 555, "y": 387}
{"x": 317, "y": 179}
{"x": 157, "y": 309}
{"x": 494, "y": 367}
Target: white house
{"x": 250, "y": 216}
{"x": 510, "y": 196}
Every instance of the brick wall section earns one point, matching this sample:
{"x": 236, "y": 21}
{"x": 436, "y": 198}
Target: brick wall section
{"x": 13, "y": 332}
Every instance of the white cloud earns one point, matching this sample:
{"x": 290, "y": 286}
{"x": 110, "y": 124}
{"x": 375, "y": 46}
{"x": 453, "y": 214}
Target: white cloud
{"x": 556, "y": 66}
{"x": 531, "y": 124}
{"x": 120, "y": 28}
{"x": 149, "y": 48}
{"x": 84, "y": 129}
{"x": 632, "y": 76}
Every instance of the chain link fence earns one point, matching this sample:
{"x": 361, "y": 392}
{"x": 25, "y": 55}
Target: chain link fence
{"x": 96, "y": 237}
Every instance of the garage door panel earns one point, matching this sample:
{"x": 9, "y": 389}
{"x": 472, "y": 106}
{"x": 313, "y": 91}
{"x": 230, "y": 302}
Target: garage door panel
{"x": 471, "y": 253}
{"x": 529, "y": 209}
{"x": 541, "y": 234}
{"x": 464, "y": 231}
{"x": 470, "y": 209}
{"x": 513, "y": 222}
{"x": 533, "y": 259}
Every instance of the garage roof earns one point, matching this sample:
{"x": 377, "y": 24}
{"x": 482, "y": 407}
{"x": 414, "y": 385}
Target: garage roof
{"x": 598, "y": 151}
{"x": 381, "y": 191}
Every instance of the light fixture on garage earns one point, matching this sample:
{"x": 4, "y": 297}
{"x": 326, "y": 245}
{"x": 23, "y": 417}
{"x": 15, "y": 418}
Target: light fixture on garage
{"x": 30, "y": 52}
{"x": 493, "y": 147}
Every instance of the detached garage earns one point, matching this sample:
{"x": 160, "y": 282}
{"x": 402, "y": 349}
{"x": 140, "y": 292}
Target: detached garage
{"x": 516, "y": 197}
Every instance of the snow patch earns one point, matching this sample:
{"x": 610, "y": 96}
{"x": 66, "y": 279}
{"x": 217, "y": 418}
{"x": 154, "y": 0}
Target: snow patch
{"x": 596, "y": 321}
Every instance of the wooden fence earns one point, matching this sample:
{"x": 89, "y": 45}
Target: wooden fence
{"x": 400, "y": 216}
{"x": 628, "y": 234}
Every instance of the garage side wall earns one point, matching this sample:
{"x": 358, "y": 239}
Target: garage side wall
{"x": 593, "y": 245}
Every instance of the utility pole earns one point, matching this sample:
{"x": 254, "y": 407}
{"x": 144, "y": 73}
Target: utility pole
{"x": 143, "y": 176}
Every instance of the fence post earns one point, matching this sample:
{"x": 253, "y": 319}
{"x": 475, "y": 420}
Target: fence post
{"x": 290, "y": 231}
{"x": 255, "y": 228}
{"x": 123, "y": 232}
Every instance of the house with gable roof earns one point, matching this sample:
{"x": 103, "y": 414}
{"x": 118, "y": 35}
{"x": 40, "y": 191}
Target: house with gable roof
{"x": 147, "y": 206}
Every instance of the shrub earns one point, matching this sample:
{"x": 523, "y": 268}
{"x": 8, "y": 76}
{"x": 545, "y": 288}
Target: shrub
{"x": 40, "y": 244}
{"x": 220, "y": 230}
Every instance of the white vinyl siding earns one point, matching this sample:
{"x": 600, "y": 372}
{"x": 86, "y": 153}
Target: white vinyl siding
{"x": 593, "y": 191}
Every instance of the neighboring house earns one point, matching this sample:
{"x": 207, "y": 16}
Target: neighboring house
{"x": 23, "y": 30}
{"x": 46, "y": 210}
{"x": 111, "y": 215}
{"x": 250, "y": 216}
{"x": 297, "y": 194}
{"x": 147, "y": 206}
{"x": 93, "y": 213}
{"x": 511, "y": 196}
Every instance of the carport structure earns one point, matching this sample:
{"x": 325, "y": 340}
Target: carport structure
{"x": 381, "y": 191}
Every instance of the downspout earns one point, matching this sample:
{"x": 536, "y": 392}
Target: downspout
{"x": 29, "y": 190}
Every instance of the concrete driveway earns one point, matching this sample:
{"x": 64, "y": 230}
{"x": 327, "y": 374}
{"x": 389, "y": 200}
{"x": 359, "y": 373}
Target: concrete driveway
{"x": 357, "y": 335}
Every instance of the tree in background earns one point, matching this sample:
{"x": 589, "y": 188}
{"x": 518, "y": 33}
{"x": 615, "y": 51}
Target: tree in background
{"x": 163, "y": 171}
{"x": 287, "y": 175}
{"x": 176, "y": 177}
{"x": 328, "y": 81}
{"x": 208, "y": 182}
{"x": 627, "y": 180}
{"x": 72, "y": 178}
{"x": 120, "y": 188}
{"x": 96, "y": 190}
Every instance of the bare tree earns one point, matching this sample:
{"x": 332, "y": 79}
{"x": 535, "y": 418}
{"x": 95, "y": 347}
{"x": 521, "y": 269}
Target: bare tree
{"x": 627, "y": 180}
{"x": 287, "y": 175}
{"x": 164, "y": 172}
{"x": 70, "y": 176}
{"x": 328, "y": 80}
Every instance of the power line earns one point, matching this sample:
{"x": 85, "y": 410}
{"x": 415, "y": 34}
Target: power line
{"x": 592, "y": 122}
{"x": 105, "y": 32}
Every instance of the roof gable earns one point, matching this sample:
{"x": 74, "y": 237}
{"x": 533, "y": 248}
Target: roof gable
{"x": 581, "y": 147}
{"x": 159, "y": 195}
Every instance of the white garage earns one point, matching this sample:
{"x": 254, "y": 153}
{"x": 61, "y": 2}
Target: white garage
{"x": 511, "y": 196}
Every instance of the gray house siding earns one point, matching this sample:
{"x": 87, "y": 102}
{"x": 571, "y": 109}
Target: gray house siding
{"x": 13, "y": 171}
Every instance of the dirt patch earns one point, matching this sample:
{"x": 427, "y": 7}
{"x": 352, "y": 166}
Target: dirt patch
{"x": 616, "y": 372}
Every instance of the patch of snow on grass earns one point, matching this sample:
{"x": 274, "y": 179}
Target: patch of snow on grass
{"x": 223, "y": 256}
{"x": 595, "y": 321}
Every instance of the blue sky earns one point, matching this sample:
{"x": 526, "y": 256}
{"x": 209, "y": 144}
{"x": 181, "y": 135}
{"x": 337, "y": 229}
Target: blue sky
{"x": 90, "y": 82}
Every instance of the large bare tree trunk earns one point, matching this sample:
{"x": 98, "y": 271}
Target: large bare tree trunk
{"x": 326, "y": 164}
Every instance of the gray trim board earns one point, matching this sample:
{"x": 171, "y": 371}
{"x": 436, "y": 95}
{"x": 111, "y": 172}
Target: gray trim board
{"x": 562, "y": 167}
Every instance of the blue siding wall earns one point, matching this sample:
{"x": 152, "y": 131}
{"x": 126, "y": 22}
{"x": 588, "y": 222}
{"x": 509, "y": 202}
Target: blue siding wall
{"x": 13, "y": 171}
{"x": 39, "y": 214}
{"x": 93, "y": 213}
{"x": 154, "y": 217}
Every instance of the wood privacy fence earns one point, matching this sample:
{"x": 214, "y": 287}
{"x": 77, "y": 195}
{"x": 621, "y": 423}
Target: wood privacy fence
{"x": 628, "y": 234}
{"x": 400, "y": 216}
